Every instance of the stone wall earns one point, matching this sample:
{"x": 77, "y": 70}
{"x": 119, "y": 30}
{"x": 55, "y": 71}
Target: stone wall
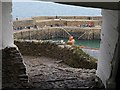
{"x": 60, "y": 21}
{"x": 13, "y": 69}
{"x": 71, "y": 55}
{"x": 67, "y": 17}
{"x": 42, "y": 23}
{"x": 49, "y": 33}
{"x": 23, "y": 23}
{"x": 80, "y": 22}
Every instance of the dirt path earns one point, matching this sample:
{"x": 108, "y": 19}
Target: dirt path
{"x": 47, "y": 73}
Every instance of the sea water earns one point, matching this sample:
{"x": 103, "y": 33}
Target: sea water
{"x": 87, "y": 43}
{"x": 93, "y": 46}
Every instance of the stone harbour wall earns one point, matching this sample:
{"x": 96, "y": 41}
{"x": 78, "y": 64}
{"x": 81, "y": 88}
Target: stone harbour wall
{"x": 23, "y": 23}
{"x": 56, "y": 32}
{"x": 71, "y": 55}
{"x": 67, "y": 17}
{"x": 42, "y": 21}
{"x": 78, "y": 23}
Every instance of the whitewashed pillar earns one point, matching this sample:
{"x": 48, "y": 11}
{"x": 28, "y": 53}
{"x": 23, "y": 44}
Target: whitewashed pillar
{"x": 0, "y": 46}
{"x": 7, "y": 30}
{"x": 109, "y": 39}
{"x": 0, "y": 25}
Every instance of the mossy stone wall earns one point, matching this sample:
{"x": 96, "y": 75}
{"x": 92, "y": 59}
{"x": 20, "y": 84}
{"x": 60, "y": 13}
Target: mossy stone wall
{"x": 71, "y": 55}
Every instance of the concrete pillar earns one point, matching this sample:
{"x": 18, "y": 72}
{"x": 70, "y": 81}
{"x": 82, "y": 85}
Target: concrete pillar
{"x": 109, "y": 39}
{"x": 7, "y": 30}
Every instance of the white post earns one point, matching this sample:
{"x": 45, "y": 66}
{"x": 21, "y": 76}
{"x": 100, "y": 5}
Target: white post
{"x": 0, "y": 45}
{"x": 0, "y": 25}
{"x": 7, "y": 31}
{"x": 109, "y": 36}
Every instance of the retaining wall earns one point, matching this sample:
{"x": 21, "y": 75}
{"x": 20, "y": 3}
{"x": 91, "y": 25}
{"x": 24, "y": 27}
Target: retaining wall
{"x": 71, "y": 55}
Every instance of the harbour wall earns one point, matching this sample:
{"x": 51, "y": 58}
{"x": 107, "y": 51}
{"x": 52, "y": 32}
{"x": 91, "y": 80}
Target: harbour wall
{"x": 42, "y": 21}
{"x": 59, "y": 32}
{"x": 68, "y": 17}
{"x": 78, "y": 23}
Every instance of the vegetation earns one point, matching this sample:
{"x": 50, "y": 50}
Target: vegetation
{"x": 80, "y": 59}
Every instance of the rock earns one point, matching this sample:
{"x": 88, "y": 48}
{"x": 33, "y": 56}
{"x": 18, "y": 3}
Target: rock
{"x": 85, "y": 71}
{"x": 92, "y": 71}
